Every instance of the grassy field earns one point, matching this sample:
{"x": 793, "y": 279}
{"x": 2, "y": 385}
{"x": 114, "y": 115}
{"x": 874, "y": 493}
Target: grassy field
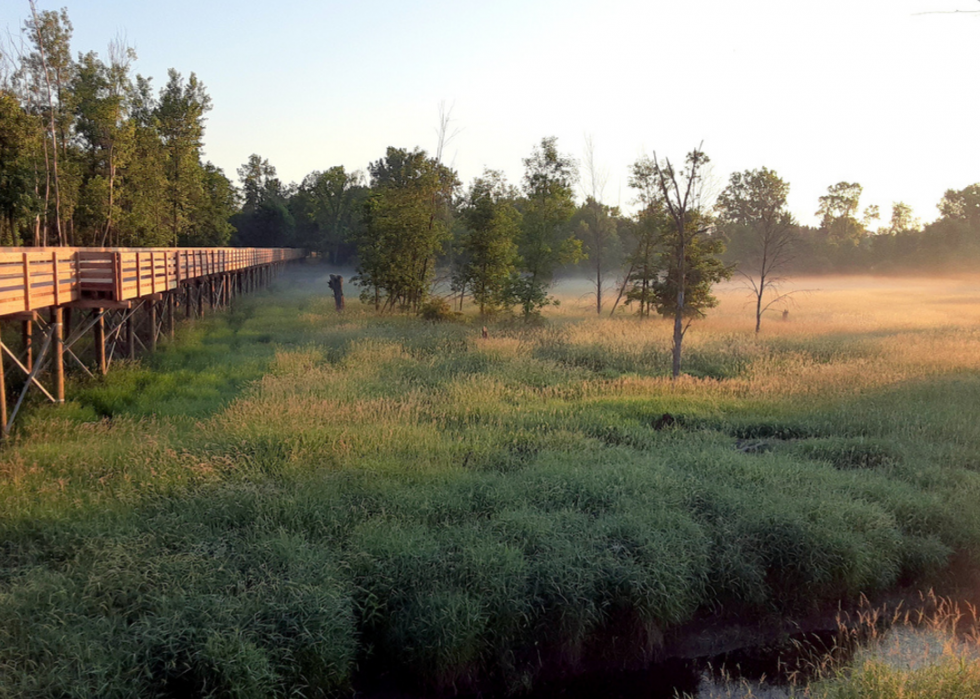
{"x": 288, "y": 500}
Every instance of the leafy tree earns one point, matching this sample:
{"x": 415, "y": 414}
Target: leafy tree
{"x": 753, "y": 208}
{"x": 838, "y": 214}
{"x": 143, "y": 196}
{"x": 46, "y": 71}
{"x": 902, "y": 219}
{"x": 701, "y": 270}
{"x": 487, "y": 251}
{"x": 265, "y": 219}
{"x": 689, "y": 265}
{"x": 328, "y": 209}
{"x": 962, "y": 205}
{"x": 106, "y": 136}
{"x": 403, "y": 230}
{"x": 259, "y": 182}
{"x": 213, "y": 210}
{"x": 180, "y": 124}
{"x": 645, "y": 260}
{"x": 545, "y": 242}
{"x": 956, "y": 234}
{"x": 19, "y": 203}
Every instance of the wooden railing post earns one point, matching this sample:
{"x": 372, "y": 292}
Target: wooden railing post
{"x": 27, "y": 282}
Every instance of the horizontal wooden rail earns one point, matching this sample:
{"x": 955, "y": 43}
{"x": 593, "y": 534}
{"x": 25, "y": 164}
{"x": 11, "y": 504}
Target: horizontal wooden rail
{"x": 33, "y": 278}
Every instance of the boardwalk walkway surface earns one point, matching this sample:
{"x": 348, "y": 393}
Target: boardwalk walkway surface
{"x": 130, "y": 296}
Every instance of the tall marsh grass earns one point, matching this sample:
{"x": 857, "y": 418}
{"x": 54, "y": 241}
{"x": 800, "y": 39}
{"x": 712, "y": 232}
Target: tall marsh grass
{"x": 287, "y": 500}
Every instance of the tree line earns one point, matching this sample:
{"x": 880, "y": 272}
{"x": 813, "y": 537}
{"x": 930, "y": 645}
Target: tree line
{"x": 93, "y": 155}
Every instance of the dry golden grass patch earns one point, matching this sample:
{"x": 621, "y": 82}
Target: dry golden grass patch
{"x": 843, "y": 335}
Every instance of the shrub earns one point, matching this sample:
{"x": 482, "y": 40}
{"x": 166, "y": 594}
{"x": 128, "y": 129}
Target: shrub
{"x": 436, "y": 309}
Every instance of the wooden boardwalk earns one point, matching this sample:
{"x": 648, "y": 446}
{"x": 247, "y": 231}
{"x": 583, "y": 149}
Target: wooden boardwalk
{"x": 131, "y": 296}
{"x": 37, "y": 278}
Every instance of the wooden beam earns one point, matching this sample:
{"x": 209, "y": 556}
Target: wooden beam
{"x": 3, "y": 399}
{"x": 27, "y": 330}
{"x": 101, "y": 304}
{"x": 57, "y": 316}
{"x": 171, "y": 302}
{"x": 131, "y": 336}
{"x": 153, "y": 326}
{"x": 100, "y": 342}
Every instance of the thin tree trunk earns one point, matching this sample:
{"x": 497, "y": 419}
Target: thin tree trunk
{"x": 622, "y": 288}
{"x": 758, "y": 309}
{"x": 679, "y": 312}
{"x": 54, "y": 136}
{"x": 112, "y": 181}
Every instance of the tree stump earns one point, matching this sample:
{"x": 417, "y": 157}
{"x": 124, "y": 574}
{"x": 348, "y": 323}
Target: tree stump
{"x": 336, "y": 283}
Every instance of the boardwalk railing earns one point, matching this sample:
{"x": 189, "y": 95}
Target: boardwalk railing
{"x": 34, "y": 278}
{"x": 39, "y": 278}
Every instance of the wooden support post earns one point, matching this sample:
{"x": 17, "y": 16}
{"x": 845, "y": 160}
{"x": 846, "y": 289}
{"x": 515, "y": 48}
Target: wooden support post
{"x": 211, "y": 298}
{"x": 131, "y": 336}
{"x": 188, "y": 300}
{"x": 57, "y": 318}
{"x": 171, "y": 302}
{"x": 100, "y": 341}
{"x": 3, "y": 399}
{"x": 200, "y": 300}
{"x": 27, "y": 331}
{"x": 153, "y": 326}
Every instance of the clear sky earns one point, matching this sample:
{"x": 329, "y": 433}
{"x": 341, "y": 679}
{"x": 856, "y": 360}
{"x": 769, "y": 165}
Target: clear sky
{"x": 868, "y": 91}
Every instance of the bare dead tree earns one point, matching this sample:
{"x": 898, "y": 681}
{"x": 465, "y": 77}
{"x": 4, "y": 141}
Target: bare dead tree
{"x": 597, "y": 221}
{"x": 443, "y": 133}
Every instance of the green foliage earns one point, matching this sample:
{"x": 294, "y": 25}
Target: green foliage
{"x": 18, "y": 203}
{"x": 759, "y": 230}
{"x": 702, "y": 270}
{"x": 838, "y": 214}
{"x": 402, "y": 229}
{"x": 328, "y": 208}
{"x": 103, "y": 160}
{"x": 487, "y": 250}
{"x": 180, "y": 122}
{"x": 675, "y": 261}
{"x": 546, "y": 242}
{"x": 436, "y": 309}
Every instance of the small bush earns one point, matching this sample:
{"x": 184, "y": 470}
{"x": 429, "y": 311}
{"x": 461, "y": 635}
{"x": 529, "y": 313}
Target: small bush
{"x": 437, "y": 310}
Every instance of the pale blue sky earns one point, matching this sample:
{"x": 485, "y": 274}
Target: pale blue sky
{"x": 857, "y": 90}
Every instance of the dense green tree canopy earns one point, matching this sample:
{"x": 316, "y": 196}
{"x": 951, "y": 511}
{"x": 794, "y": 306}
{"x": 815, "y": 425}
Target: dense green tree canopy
{"x": 487, "y": 250}
{"x": 403, "y": 231}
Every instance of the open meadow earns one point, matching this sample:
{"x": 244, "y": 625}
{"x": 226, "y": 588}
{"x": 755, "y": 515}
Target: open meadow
{"x": 290, "y": 501}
